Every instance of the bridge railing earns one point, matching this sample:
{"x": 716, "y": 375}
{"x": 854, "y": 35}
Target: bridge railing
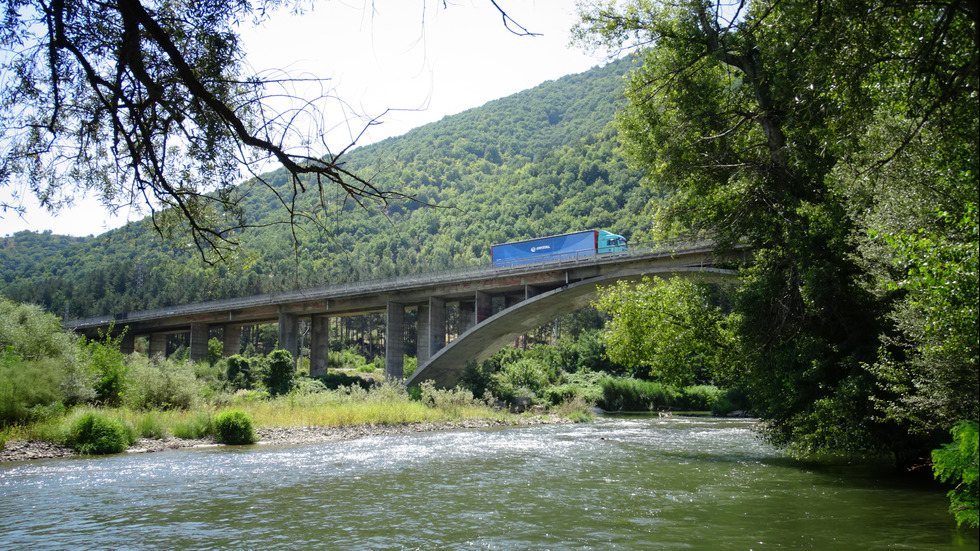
{"x": 378, "y": 285}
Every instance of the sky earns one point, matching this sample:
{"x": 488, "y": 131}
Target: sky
{"x": 412, "y": 61}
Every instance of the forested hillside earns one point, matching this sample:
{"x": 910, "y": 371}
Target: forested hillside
{"x": 543, "y": 161}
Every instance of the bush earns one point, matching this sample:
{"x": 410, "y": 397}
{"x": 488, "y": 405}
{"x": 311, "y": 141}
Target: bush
{"x": 625, "y": 394}
{"x": 109, "y": 363}
{"x": 281, "y": 372}
{"x": 234, "y": 427}
{"x": 524, "y": 378}
{"x": 449, "y": 400}
{"x": 347, "y": 359}
{"x": 156, "y": 383}
{"x": 25, "y": 386}
{"x": 95, "y": 434}
{"x": 239, "y": 372}
{"x": 699, "y": 398}
{"x": 31, "y": 333}
{"x": 584, "y": 386}
{"x": 957, "y": 462}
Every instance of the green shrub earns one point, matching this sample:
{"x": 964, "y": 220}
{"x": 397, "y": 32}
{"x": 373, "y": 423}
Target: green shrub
{"x": 26, "y": 386}
{"x": 96, "y": 434}
{"x": 198, "y": 426}
{"x": 31, "y": 333}
{"x": 410, "y": 366}
{"x": 584, "y": 385}
{"x": 626, "y": 394}
{"x": 957, "y": 462}
{"x": 157, "y": 383}
{"x": 234, "y": 427}
{"x": 109, "y": 364}
{"x": 449, "y": 400}
{"x": 239, "y": 372}
{"x": 281, "y": 372}
{"x": 346, "y": 359}
{"x": 524, "y": 378}
{"x": 699, "y": 398}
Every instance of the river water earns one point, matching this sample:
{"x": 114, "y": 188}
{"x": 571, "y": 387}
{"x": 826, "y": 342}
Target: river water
{"x": 618, "y": 483}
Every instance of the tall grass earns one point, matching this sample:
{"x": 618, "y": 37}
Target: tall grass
{"x": 388, "y": 404}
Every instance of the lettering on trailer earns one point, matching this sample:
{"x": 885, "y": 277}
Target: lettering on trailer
{"x": 541, "y": 248}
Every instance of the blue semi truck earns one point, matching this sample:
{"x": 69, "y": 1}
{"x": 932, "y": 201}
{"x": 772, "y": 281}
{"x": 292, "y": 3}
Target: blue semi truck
{"x": 557, "y": 247}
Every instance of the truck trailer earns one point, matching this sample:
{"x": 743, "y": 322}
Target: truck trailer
{"x": 557, "y": 247}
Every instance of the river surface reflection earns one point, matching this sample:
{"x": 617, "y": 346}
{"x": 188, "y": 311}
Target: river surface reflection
{"x": 649, "y": 483}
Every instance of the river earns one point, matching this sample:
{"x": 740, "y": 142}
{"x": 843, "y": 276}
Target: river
{"x": 618, "y": 483}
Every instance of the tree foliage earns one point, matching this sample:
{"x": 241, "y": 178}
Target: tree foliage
{"x": 670, "y": 328}
{"x": 823, "y": 135}
{"x": 957, "y": 462}
{"x": 150, "y": 102}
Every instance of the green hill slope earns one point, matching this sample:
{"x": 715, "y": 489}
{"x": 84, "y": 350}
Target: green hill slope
{"x": 543, "y": 161}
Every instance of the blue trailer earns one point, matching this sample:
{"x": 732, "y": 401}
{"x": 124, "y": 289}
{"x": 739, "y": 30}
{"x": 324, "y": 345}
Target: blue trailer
{"x": 557, "y": 247}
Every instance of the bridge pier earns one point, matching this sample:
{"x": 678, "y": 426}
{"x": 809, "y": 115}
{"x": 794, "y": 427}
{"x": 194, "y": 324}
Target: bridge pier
{"x": 231, "y": 340}
{"x": 422, "y": 333}
{"x": 434, "y": 338}
{"x": 467, "y": 315}
{"x": 158, "y": 344}
{"x": 128, "y": 344}
{"x": 289, "y": 334}
{"x": 200, "y": 334}
{"x": 484, "y": 306}
{"x": 395, "y": 341}
{"x": 319, "y": 345}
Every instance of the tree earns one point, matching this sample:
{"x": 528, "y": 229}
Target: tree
{"x": 669, "y": 327}
{"x": 778, "y": 125}
{"x": 150, "y": 102}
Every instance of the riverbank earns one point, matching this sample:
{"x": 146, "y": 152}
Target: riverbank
{"x": 20, "y": 450}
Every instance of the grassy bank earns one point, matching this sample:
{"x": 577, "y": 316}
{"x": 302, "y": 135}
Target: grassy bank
{"x": 385, "y": 404}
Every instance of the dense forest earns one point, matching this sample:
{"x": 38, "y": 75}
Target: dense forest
{"x": 543, "y": 161}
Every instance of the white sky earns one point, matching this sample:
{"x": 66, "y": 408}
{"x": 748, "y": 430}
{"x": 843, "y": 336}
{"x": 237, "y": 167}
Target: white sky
{"x": 424, "y": 58}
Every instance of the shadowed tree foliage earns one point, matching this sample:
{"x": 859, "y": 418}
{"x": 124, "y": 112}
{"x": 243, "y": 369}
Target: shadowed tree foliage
{"x": 831, "y": 137}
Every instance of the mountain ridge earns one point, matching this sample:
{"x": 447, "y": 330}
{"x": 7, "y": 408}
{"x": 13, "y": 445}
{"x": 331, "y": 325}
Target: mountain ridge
{"x": 542, "y": 161}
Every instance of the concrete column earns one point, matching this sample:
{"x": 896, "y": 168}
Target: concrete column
{"x": 437, "y": 325}
{"x": 467, "y": 315}
{"x": 395, "y": 341}
{"x": 158, "y": 344}
{"x": 484, "y": 306}
{"x": 319, "y": 345}
{"x": 531, "y": 291}
{"x": 422, "y": 338}
{"x": 128, "y": 344}
{"x": 231, "y": 340}
{"x": 200, "y": 333}
{"x": 289, "y": 334}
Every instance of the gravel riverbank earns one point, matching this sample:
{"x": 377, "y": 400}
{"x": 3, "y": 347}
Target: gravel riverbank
{"x": 17, "y": 450}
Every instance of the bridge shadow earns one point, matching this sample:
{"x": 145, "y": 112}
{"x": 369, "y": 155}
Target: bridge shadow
{"x": 446, "y": 367}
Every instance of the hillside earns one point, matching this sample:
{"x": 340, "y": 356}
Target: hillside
{"x": 543, "y": 161}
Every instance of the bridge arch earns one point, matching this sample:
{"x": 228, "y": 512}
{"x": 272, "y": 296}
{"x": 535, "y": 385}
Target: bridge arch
{"x": 481, "y": 341}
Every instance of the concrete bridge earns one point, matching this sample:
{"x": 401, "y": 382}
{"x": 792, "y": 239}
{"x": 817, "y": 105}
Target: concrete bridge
{"x": 496, "y": 306}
